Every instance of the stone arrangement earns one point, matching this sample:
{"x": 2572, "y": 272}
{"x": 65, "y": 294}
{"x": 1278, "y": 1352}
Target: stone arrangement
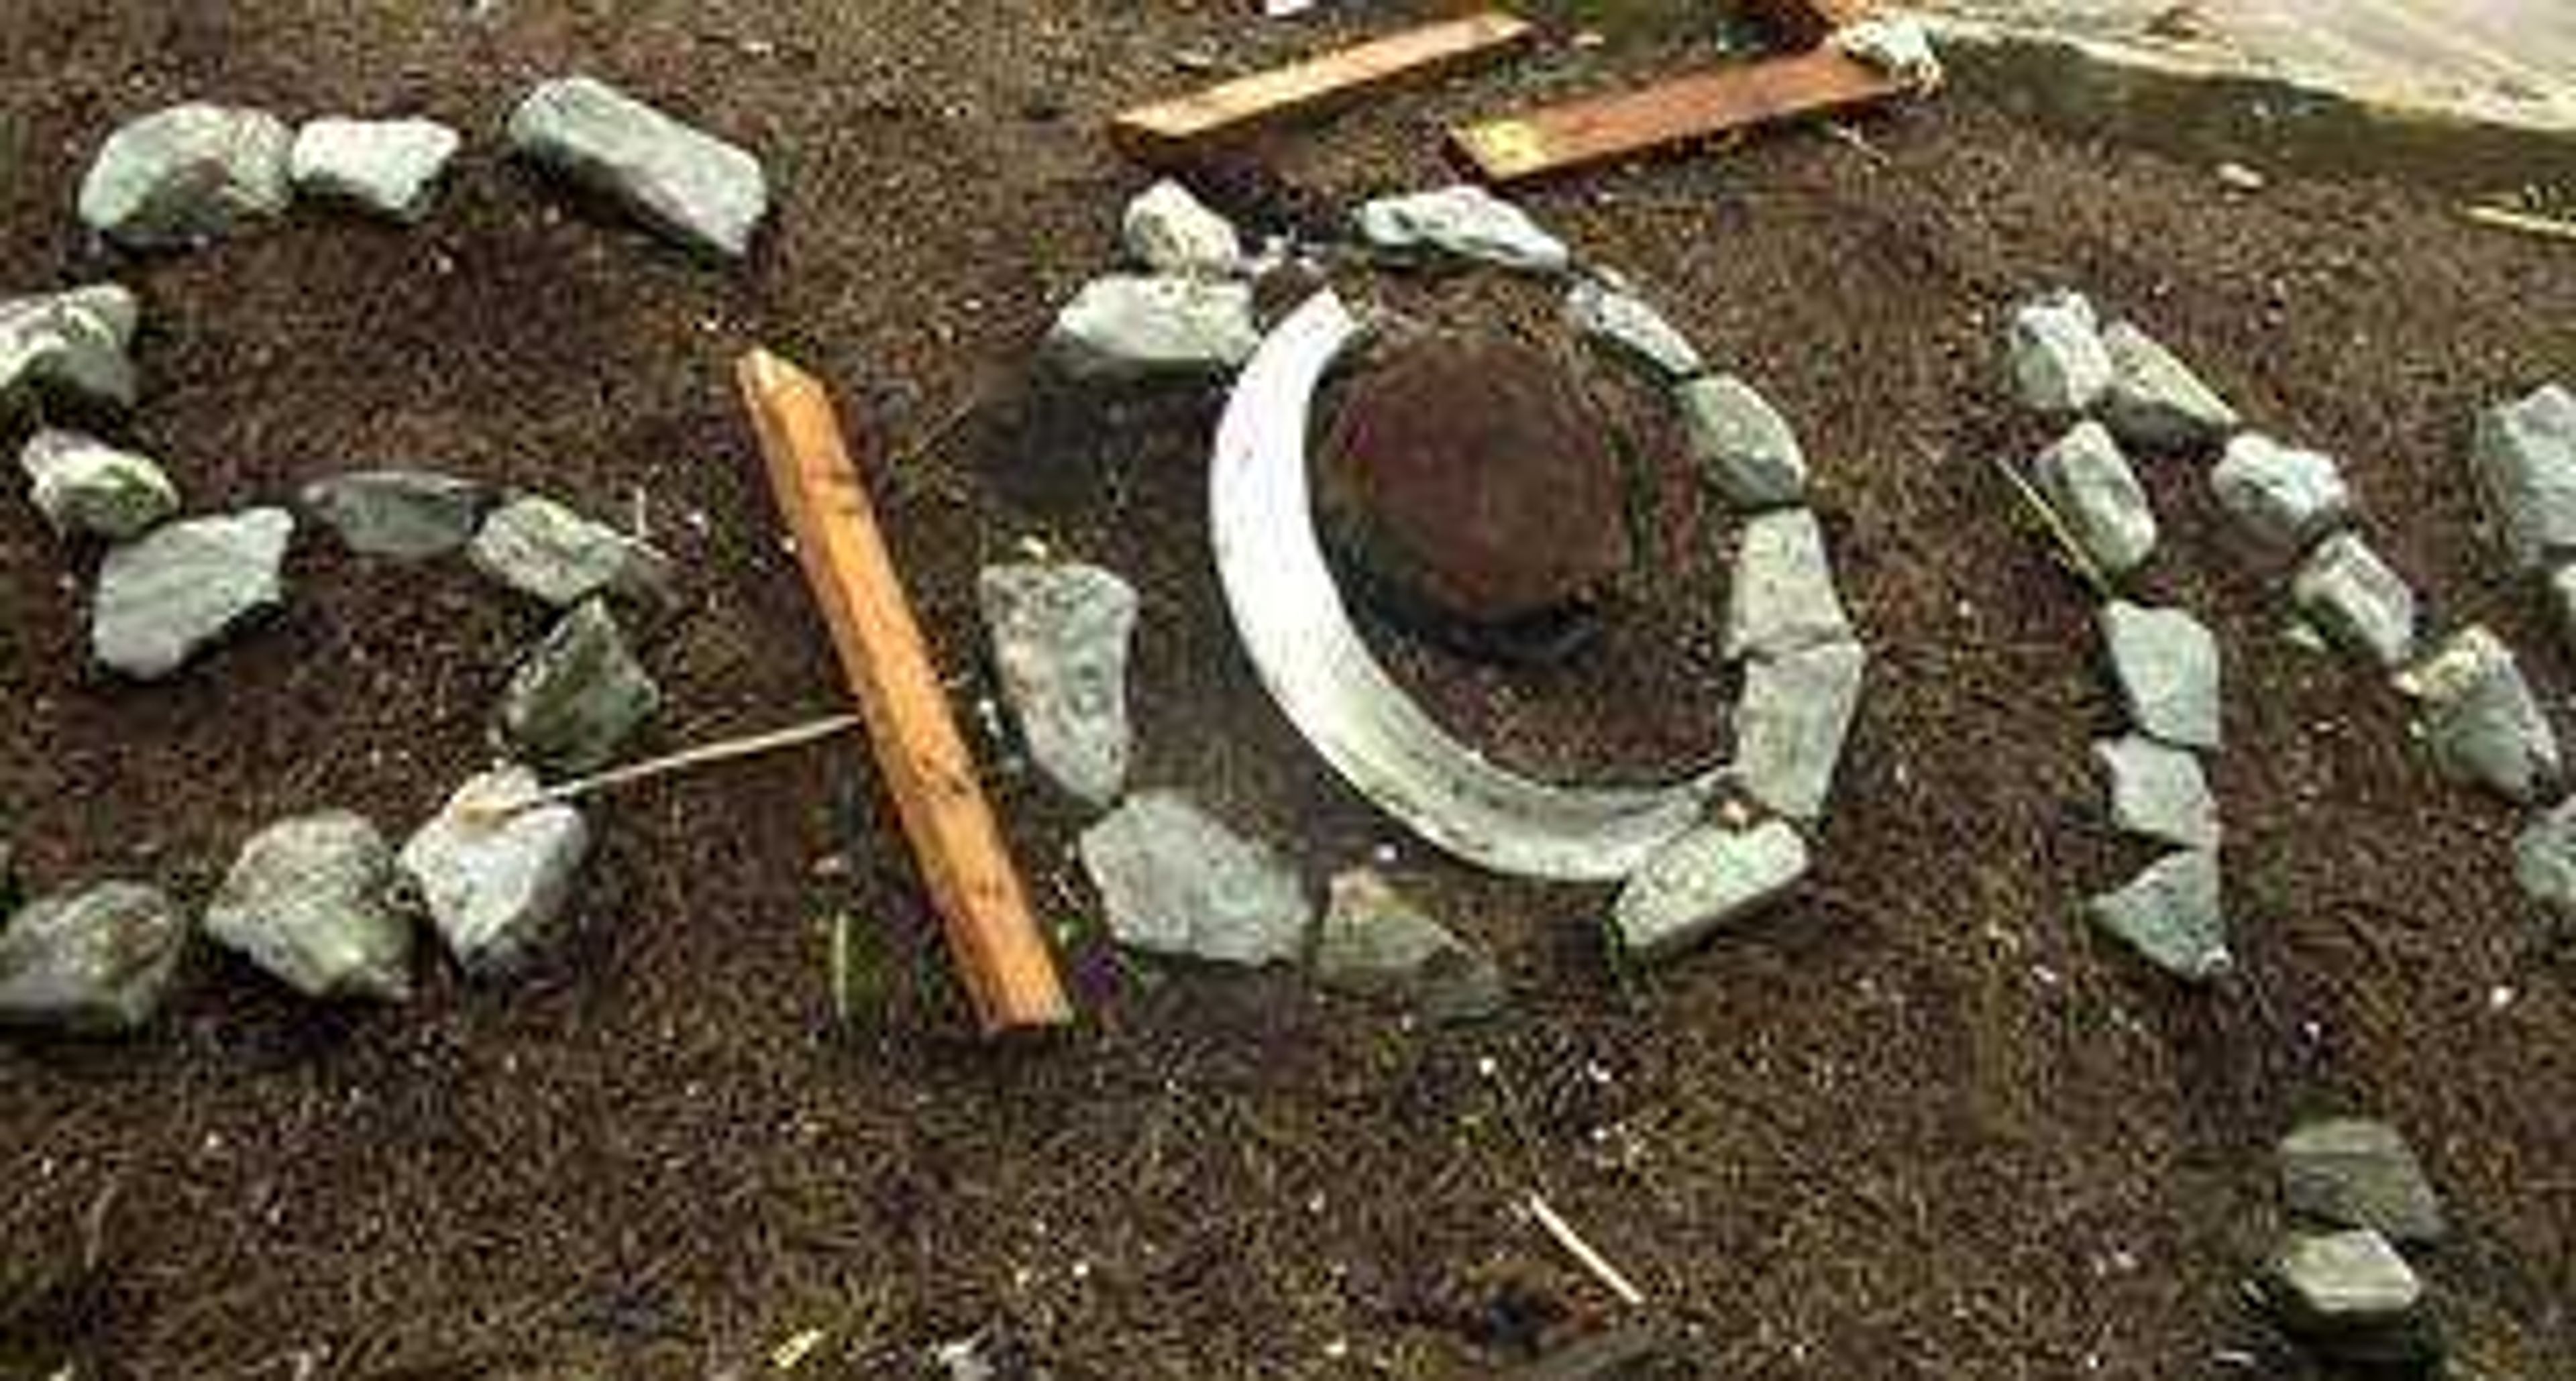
{"x": 322, "y": 902}
{"x": 2340, "y": 1281}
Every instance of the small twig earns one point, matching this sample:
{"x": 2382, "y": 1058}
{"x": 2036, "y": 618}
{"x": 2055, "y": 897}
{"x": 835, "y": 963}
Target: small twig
{"x": 2067, "y": 549}
{"x": 704, "y": 755}
{"x": 2521, "y": 222}
{"x": 1583, "y": 1253}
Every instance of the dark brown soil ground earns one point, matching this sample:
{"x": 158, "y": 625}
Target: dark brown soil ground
{"x": 1919, "y": 1123}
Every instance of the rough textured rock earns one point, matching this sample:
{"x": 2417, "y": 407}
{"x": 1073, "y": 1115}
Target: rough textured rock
{"x": 2478, "y": 715}
{"x": 2167, "y": 667}
{"x": 313, "y": 900}
{"x": 1790, "y": 725}
{"x": 1466, "y": 221}
{"x": 1060, "y": 635}
{"x": 1781, "y": 595}
{"x": 496, "y": 881}
{"x": 2155, "y": 401}
{"x": 2279, "y": 495}
{"x": 1631, "y": 331}
{"x": 2089, "y": 485}
{"x": 702, "y": 192}
{"x": 1175, "y": 882}
{"x": 2544, "y": 862}
{"x": 2351, "y": 596}
{"x": 2525, "y": 457}
{"x": 2336, "y": 1287}
{"x": 93, "y": 962}
{"x": 2357, "y": 1173}
{"x": 70, "y": 347}
{"x": 1375, "y": 943}
{"x": 188, "y": 174}
{"x": 2173, "y": 914}
{"x": 86, "y": 487}
{"x": 548, "y": 552}
{"x": 2058, "y": 362}
{"x": 1742, "y": 445}
{"x": 400, "y": 515}
{"x": 1170, "y": 231}
{"x": 1708, "y": 878}
{"x": 579, "y": 696}
{"x": 2158, "y": 792}
{"x": 1130, "y": 327}
{"x": 389, "y": 167}
{"x": 163, "y": 598}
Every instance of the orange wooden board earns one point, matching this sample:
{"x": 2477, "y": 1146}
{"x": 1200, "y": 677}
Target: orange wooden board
{"x": 1558, "y": 138}
{"x": 1177, "y": 129}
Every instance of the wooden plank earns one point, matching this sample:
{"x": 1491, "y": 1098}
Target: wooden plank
{"x": 1179, "y": 129}
{"x": 1009, "y": 973}
{"x": 1558, "y": 138}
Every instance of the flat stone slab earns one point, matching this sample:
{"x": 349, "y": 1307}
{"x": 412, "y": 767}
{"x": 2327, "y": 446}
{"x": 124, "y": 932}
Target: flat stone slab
{"x": 1135, "y": 327}
{"x": 398, "y": 515}
{"x": 2524, "y": 456}
{"x": 2361, "y": 605}
{"x": 2166, "y": 664}
{"x": 1175, "y": 882}
{"x": 1791, "y": 722}
{"x": 1464, "y": 221}
{"x": 1704, "y": 881}
{"x": 496, "y": 880}
{"x": 388, "y": 167}
{"x": 1376, "y": 944}
{"x": 313, "y": 901}
{"x": 97, "y": 961}
{"x": 1742, "y": 445}
{"x": 88, "y": 488}
{"x": 2155, "y": 401}
{"x": 579, "y": 696}
{"x": 2172, "y": 914}
{"x": 1781, "y": 596}
{"x": 2355, "y": 1172}
{"x": 2478, "y": 715}
{"x": 2339, "y": 1283}
{"x": 548, "y": 552}
{"x": 70, "y": 347}
{"x": 702, "y": 192}
{"x": 2280, "y": 496}
{"x": 2096, "y": 496}
{"x": 2159, "y": 792}
{"x": 2055, "y": 355}
{"x": 1628, "y": 329}
{"x": 1060, "y": 634}
{"x": 188, "y": 174}
{"x": 1170, "y": 231}
{"x": 166, "y": 597}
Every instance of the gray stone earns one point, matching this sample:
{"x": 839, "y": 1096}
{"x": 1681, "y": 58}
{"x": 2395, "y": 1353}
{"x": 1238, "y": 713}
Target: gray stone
{"x": 2172, "y": 914}
{"x": 2351, "y": 596}
{"x": 163, "y": 598}
{"x": 2058, "y": 362}
{"x": 1708, "y": 878}
{"x": 2544, "y": 862}
{"x": 400, "y": 515}
{"x": 2334, "y": 1284}
{"x": 496, "y": 878}
{"x": 548, "y": 552}
{"x": 1177, "y": 883}
{"x": 2525, "y": 457}
{"x": 1632, "y": 331}
{"x": 2281, "y": 496}
{"x": 1060, "y": 635}
{"x": 2357, "y": 1173}
{"x": 1375, "y": 943}
{"x": 2155, "y": 401}
{"x": 1790, "y": 725}
{"x": 2167, "y": 667}
{"x": 1742, "y": 445}
{"x": 1781, "y": 595}
{"x": 579, "y": 696}
{"x": 85, "y": 487}
{"x": 1127, "y": 327}
{"x": 1466, "y": 221}
{"x": 1170, "y": 231}
{"x": 702, "y": 192}
{"x": 2158, "y": 792}
{"x": 97, "y": 961}
{"x": 389, "y": 167}
{"x": 312, "y": 900}
{"x": 188, "y": 174}
{"x": 2089, "y": 485}
{"x": 2478, "y": 715}
{"x": 70, "y": 347}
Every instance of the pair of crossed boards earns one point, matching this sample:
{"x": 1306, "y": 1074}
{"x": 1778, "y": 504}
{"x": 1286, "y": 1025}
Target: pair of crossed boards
{"x": 1811, "y": 79}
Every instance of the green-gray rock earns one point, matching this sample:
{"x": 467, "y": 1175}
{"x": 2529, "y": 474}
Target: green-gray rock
{"x": 85, "y": 487}
{"x": 1790, "y": 724}
{"x": 2477, "y": 713}
{"x": 1704, "y": 881}
{"x": 1376, "y": 944}
{"x": 1780, "y": 595}
{"x": 2544, "y": 862}
{"x": 184, "y": 585}
{"x": 2524, "y": 456}
{"x": 2166, "y": 664}
{"x": 400, "y": 515}
{"x": 2357, "y": 1173}
{"x": 2351, "y": 1297}
{"x": 1741, "y": 445}
{"x": 496, "y": 873}
{"x": 546, "y": 551}
{"x": 705, "y": 193}
{"x": 312, "y": 900}
{"x": 70, "y": 347}
{"x": 93, "y": 962}
{"x": 2158, "y": 792}
{"x": 2155, "y": 401}
{"x": 189, "y": 173}
{"x": 578, "y": 696}
{"x": 2172, "y": 914}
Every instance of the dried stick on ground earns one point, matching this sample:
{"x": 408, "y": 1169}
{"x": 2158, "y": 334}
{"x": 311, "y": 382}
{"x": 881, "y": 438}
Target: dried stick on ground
{"x": 686, "y": 760}
{"x": 1584, "y": 1253}
{"x": 993, "y": 935}
{"x": 2522, "y": 222}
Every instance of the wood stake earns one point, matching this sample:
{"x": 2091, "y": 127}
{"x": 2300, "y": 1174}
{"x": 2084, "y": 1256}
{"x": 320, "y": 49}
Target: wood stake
{"x": 992, "y": 934}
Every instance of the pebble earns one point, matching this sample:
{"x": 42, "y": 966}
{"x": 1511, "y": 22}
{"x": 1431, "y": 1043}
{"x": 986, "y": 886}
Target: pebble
{"x": 2544, "y": 862}
{"x": 2481, "y": 719}
{"x": 1129, "y": 327}
{"x": 388, "y": 167}
{"x": 399, "y": 515}
{"x": 704, "y": 193}
{"x": 2089, "y": 485}
{"x": 2336, "y": 1289}
{"x": 2351, "y": 596}
{"x": 579, "y": 696}
{"x": 1708, "y": 878}
{"x": 70, "y": 347}
{"x": 2055, "y": 354}
{"x": 1741, "y": 444}
{"x": 2237, "y": 177}
{"x": 2280, "y": 496}
{"x": 2167, "y": 667}
{"x": 188, "y": 174}
{"x": 1175, "y": 882}
{"x": 1465, "y": 221}
{"x": 313, "y": 901}
{"x": 495, "y": 882}
{"x": 2524, "y": 454}
{"x": 2155, "y": 402}
{"x": 2159, "y": 792}
{"x": 1791, "y": 722}
{"x": 1170, "y": 231}
{"x": 1376, "y": 944}
{"x": 85, "y": 487}
{"x": 2172, "y": 914}
{"x": 1630, "y": 330}
{"x": 98, "y": 961}
{"x": 1060, "y": 635}
{"x": 163, "y": 598}
{"x": 2355, "y": 1172}
{"x": 548, "y": 552}
{"x": 1781, "y": 596}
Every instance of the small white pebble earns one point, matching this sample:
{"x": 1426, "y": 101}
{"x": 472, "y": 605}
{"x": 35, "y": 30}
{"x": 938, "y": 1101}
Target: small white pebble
{"x": 2500, "y": 997}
